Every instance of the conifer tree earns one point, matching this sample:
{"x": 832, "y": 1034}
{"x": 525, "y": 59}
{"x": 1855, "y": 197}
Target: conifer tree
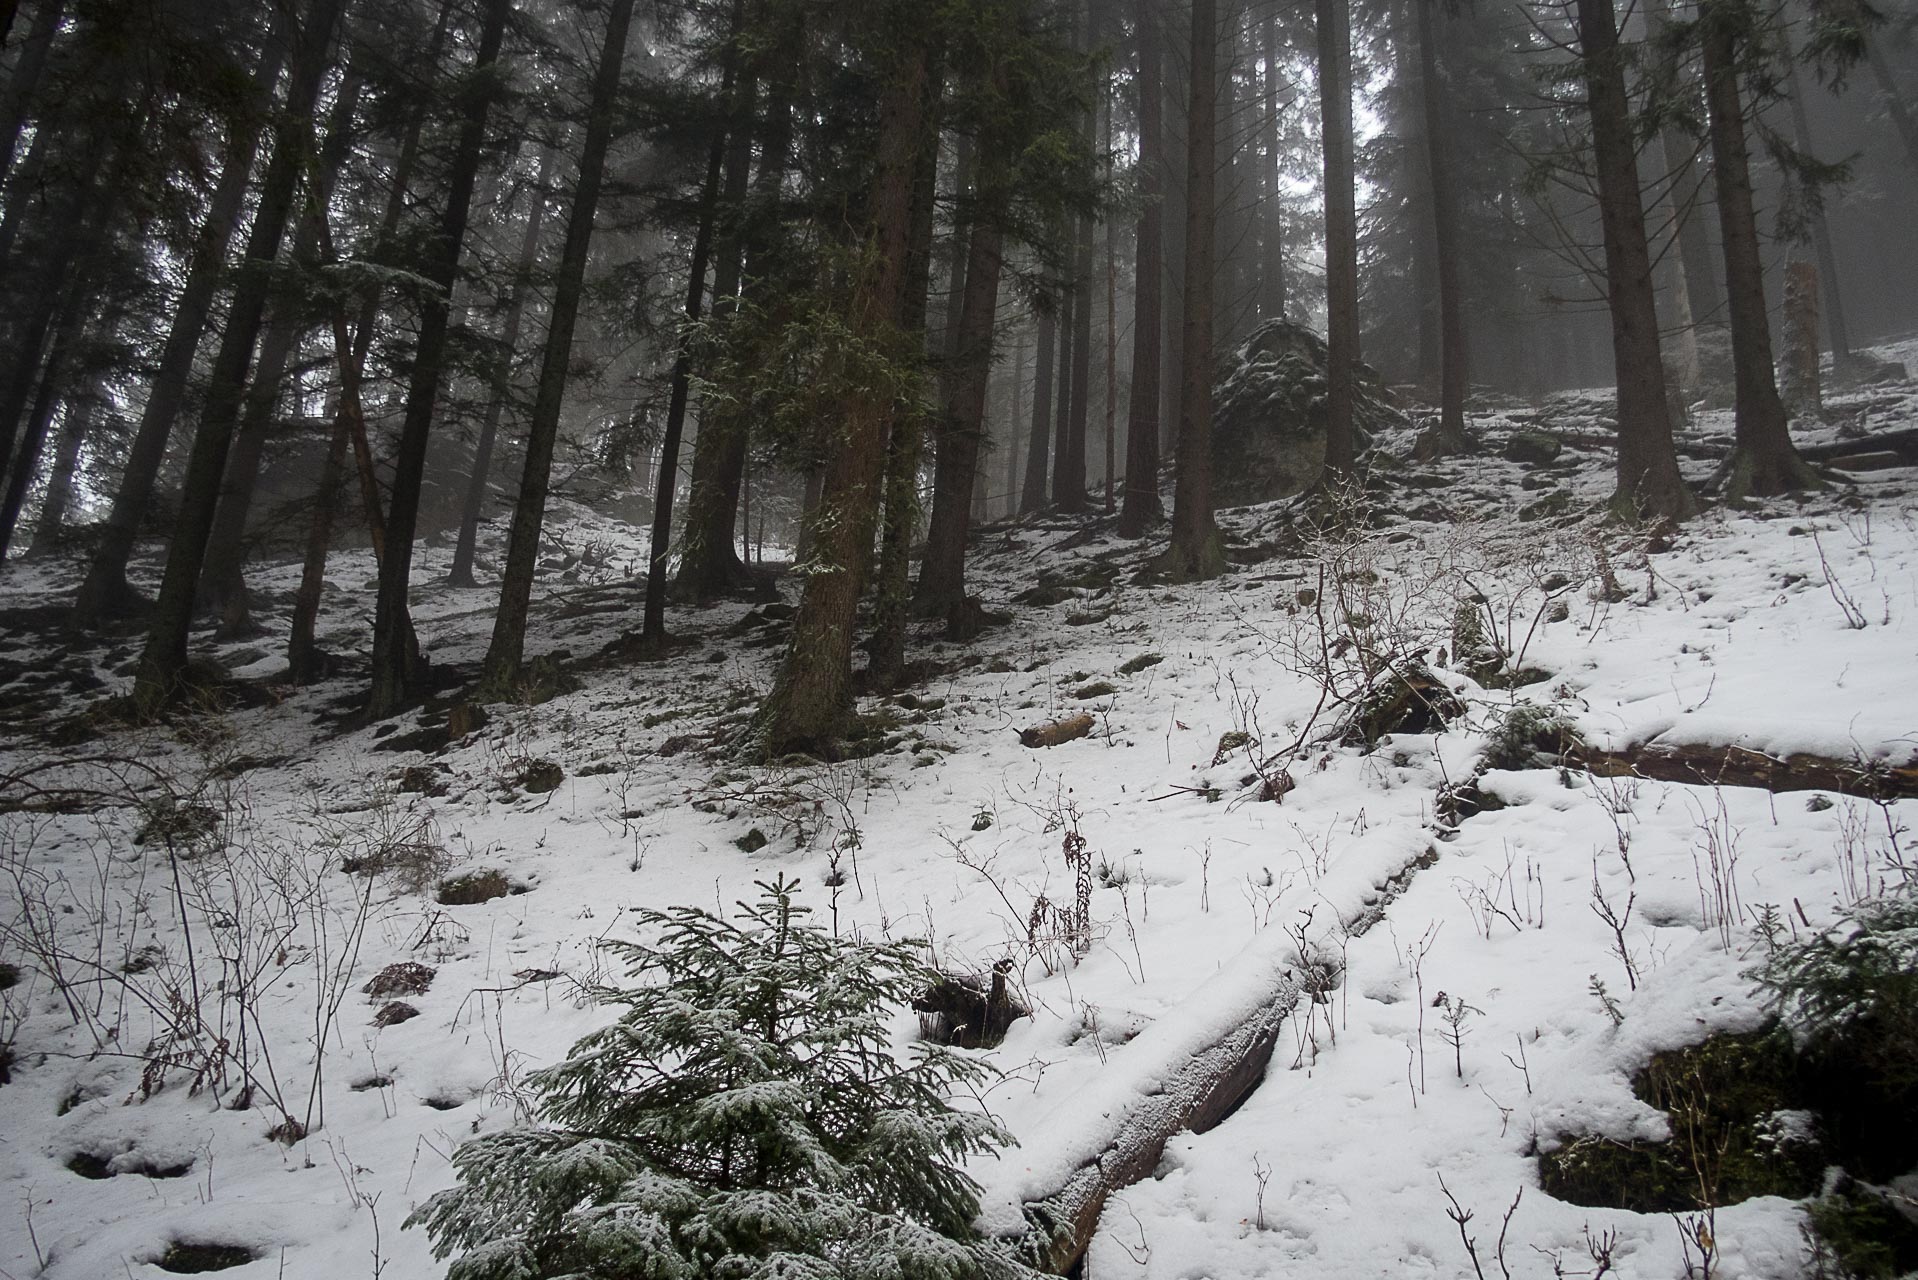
{"x": 745, "y": 1117}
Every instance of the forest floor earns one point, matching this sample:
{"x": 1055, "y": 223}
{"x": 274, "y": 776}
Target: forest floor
{"x": 1469, "y": 1004}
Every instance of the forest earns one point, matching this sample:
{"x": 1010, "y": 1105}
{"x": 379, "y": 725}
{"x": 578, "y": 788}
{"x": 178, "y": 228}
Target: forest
{"x": 947, "y": 638}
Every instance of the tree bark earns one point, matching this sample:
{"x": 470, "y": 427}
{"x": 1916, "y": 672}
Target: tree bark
{"x": 163, "y": 661}
{"x": 305, "y": 662}
{"x": 76, "y": 218}
{"x": 1015, "y": 414}
{"x": 223, "y": 581}
{"x": 1454, "y": 344}
{"x": 905, "y": 441}
{"x": 47, "y": 400}
{"x": 653, "y": 628}
{"x": 1068, "y": 332}
{"x": 1763, "y": 461}
{"x": 1142, "y": 505}
{"x": 709, "y": 567}
{"x": 1704, "y": 302}
{"x": 395, "y": 675}
{"x": 50, "y": 528}
{"x": 812, "y": 700}
{"x": 1897, "y": 104}
{"x": 1341, "y": 237}
{"x": 104, "y": 592}
{"x": 1069, "y": 485}
{"x": 1821, "y": 236}
{"x": 1648, "y": 479}
{"x": 1196, "y": 551}
{"x": 1032, "y": 491}
{"x": 461, "y": 574}
{"x": 503, "y": 656}
{"x": 942, "y": 578}
{"x": 1272, "y": 233}
{"x": 24, "y": 83}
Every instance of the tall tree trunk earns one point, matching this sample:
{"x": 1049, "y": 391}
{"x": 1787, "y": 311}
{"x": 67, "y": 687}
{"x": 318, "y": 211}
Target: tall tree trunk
{"x": 1763, "y": 460}
{"x": 1015, "y": 414}
{"x": 653, "y": 628}
{"x": 1703, "y": 306}
{"x": 50, "y": 528}
{"x": 104, "y": 592}
{"x": 1341, "y": 237}
{"x": 1032, "y": 493}
{"x": 811, "y": 701}
{"x": 1110, "y": 399}
{"x": 1069, "y": 303}
{"x": 163, "y": 661}
{"x": 223, "y": 581}
{"x": 1142, "y": 505}
{"x": 16, "y": 103}
{"x": 1648, "y": 479}
{"x": 942, "y": 578}
{"x": 77, "y": 216}
{"x": 1272, "y": 226}
{"x": 1196, "y": 551}
{"x": 461, "y": 574}
{"x": 1897, "y": 102}
{"x": 503, "y": 656}
{"x": 395, "y": 656}
{"x": 1069, "y": 486}
{"x": 46, "y": 402}
{"x": 1455, "y": 349}
{"x": 305, "y": 662}
{"x": 905, "y": 440}
{"x": 1821, "y": 236}
{"x": 708, "y": 565}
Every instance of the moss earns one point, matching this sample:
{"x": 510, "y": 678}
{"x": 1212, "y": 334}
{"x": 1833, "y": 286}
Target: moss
{"x": 1230, "y": 741}
{"x": 1135, "y": 665}
{"x": 1097, "y": 689}
{"x": 1411, "y": 701}
{"x": 191, "y": 1259}
{"x": 1724, "y": 1098}
{"x": 474, "y": 887}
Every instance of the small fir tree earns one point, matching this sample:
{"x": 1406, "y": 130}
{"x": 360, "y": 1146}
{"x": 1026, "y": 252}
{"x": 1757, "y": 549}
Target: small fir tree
{"x": 743, "y": 1118}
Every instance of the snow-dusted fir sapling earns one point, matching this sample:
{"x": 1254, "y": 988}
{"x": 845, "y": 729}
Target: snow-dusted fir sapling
{"x": 744, "y": 1117}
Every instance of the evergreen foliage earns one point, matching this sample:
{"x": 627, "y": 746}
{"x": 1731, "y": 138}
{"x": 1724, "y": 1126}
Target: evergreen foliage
{"x": 1855, "y": 987}
{"x": 743, "y": 1118}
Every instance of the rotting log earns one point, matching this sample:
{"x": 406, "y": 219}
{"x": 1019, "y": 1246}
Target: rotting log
{"x": 1710, "y": 764}
{"x": 1195, "y": 1096}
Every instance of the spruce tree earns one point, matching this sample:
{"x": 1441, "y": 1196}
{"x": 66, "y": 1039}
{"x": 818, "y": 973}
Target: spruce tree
{"x": 745, "y": 1118}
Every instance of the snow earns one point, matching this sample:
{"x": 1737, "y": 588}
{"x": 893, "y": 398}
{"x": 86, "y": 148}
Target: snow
{"x": 1736, "y": 633}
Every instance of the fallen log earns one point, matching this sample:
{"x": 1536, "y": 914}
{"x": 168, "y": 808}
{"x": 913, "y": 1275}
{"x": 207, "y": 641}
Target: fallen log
{"x": 1195, "y": 1096}
{"x": 1709, "y": 764}
{"x": 1902, "y": 443}
{"x": 1189, "y": 1070}
{"x": 1051, "y": 735}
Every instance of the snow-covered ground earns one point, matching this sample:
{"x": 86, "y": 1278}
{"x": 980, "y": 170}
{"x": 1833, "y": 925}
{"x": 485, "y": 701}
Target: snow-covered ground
{"x": 1791, "y": 627}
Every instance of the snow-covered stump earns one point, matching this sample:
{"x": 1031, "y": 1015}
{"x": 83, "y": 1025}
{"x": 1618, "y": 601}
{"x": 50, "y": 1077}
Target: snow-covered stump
{"x": 1196, "y": 1095}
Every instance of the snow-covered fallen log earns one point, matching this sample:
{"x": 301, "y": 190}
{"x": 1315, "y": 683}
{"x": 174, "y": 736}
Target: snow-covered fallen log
{"x": 1733, "y": 766}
